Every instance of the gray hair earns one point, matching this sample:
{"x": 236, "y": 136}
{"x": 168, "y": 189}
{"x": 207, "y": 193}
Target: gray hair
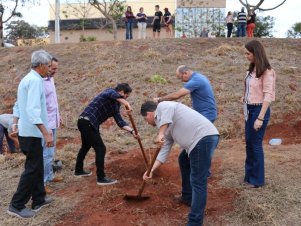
{"x": 182, "y": 69}
{"x": 40, "y": 57}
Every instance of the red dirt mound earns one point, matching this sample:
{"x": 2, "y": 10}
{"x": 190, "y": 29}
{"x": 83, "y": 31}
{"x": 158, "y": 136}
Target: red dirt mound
{"x": 105, "y": 205}
{"x": 288, "y": 131}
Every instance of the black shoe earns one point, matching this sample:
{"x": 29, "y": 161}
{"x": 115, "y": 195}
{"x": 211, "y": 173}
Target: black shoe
{"x": 46, "y": 202}
{"x": 179, "y": 200}
{"x": 23, "y": 213}
{"x": 106, "y": 181}
{"x": 83, "y": 174}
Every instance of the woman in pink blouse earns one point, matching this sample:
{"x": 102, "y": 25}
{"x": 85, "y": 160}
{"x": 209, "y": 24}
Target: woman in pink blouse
{"x": 258, "y": 95}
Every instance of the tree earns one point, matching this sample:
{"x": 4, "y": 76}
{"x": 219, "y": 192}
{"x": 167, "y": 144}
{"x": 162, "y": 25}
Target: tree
{"x": 11, "y": 13}
{"x": 254, "y": 7}
{"x": 295, "y": 31}
{"x": 264, "y": 26}
{"x": 112, "y": 10}
{"x": 81, "y": 10}
{"x": 23, "y": 30}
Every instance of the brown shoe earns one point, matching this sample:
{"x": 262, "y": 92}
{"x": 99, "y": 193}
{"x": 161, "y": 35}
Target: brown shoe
{"x": 179, "y": 200}
{"x": 57, "y": 178}
{"x": 48, "y": 190}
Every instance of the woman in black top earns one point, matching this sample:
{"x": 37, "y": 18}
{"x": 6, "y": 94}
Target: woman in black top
{"x": 142, "y": 18}
{"x": 168, "y": 23}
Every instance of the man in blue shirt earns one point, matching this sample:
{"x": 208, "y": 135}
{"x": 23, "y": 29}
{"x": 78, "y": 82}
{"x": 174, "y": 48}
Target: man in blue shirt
{"x": 105, "y": 105}
{"x": 30, "y": 115}
{"x": 203, "y": 101}
{"x": 200, "y": 90}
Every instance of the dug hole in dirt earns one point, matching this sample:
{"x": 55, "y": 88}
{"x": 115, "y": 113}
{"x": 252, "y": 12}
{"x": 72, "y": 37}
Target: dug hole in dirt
{"x": 105, "y": 205}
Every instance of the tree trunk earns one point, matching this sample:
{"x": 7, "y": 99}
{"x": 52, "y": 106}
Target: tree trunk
{"x": 115, "y": 30}
{"x": 1, "y": 32}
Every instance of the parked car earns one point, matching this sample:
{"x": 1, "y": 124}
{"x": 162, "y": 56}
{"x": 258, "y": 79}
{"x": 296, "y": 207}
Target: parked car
{"x": 8, "y": 45}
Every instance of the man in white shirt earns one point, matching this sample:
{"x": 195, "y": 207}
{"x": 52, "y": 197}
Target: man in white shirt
{"x": 180, "y": 124}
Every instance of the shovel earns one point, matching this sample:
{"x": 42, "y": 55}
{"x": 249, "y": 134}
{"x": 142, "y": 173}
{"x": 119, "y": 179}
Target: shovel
{"x": 139, "y": 196}
{"x": 139, "y": 140}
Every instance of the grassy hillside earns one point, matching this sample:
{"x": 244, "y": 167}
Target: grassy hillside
{"x": 85, "y": 69}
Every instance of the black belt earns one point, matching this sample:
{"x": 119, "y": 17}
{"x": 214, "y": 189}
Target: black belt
{"x": 256, "y": 104}
{"x": 84, "y": 117}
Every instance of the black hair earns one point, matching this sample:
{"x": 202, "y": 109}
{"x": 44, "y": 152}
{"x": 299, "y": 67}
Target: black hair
{"x": 54, "y": 59}
{"x": 157, "y": 6}
{"x": 123, "y": 87}
{"x": 148, "y": 106}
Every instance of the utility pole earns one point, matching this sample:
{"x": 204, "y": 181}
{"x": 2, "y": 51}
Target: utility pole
{"x": 57, "y": 22}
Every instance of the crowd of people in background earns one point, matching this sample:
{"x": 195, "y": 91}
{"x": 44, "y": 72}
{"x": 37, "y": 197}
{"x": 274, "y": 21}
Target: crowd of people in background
{"x": 158, "y": 19}
{"x": 245, "y": 23}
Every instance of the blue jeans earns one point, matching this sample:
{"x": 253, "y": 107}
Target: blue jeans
{"x": 254, "y": 165}
{"x": 48, "y": 155}
{"x": 10, "y": 143}
{"x": 194, "y": 172}
{"x": 241, "y": 29}
{"x": 129, "y": 30}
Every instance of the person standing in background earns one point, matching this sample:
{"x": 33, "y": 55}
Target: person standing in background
{"x": 229, "y": 21}
{"x": 129, "y": 21}
{"x": 158, "y": 19}
{"x": 142, "y": 19}
{"x": 251, "y": 24}
{"x": 168, "y": 23}
{"x": 242, "y": 23}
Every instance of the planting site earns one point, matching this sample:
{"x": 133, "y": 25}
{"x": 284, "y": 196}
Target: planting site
{"x": 149, "y": 66}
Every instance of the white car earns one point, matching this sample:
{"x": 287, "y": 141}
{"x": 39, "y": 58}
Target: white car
{"x": 8, "y": 45}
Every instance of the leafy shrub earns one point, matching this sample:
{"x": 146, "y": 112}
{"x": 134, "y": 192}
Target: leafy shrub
{"x": 158, "y": 79}
{"x": 87, "y": 39}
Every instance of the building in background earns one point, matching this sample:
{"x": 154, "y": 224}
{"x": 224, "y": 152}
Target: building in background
{"x": 191, "y": 16}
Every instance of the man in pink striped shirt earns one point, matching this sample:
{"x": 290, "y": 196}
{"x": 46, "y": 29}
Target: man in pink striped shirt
{"x": 53, "y": 124}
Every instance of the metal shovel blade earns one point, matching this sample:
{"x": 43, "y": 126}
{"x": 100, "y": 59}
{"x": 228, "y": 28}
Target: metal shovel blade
{"x": 135, "y": 198}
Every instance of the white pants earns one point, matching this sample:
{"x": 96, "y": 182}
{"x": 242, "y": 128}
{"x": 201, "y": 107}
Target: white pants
{"x": 141, "y": 30}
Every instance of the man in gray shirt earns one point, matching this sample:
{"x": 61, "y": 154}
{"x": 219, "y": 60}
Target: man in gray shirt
{"x": 6, "y": 121}
{"x": 180, "y": 124}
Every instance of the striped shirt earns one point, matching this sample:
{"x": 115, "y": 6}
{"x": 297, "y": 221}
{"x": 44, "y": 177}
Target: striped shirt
{"x": 104, "y": 106}
{"x": 242, "y": 17}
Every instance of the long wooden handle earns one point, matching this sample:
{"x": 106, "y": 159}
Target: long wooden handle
{"x": 139, "y": 140}
{"x": 149, "y": 170}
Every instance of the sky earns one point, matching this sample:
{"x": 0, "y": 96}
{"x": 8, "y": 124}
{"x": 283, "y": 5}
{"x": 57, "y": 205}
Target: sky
{"x": 286, "y": 15}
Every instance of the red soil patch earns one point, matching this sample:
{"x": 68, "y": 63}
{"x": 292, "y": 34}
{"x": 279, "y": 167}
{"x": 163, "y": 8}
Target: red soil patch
{"x": 61, "y": 142}
{"x": 108, "y": 123}
{"x": 288, "y": 131}
{"x": 104, "y": 205}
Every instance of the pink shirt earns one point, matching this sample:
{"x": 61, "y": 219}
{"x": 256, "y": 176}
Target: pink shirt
{"x": 258, "y": 90}
{"x": 229, "y": 19}
{"x": 51, "y": 103}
